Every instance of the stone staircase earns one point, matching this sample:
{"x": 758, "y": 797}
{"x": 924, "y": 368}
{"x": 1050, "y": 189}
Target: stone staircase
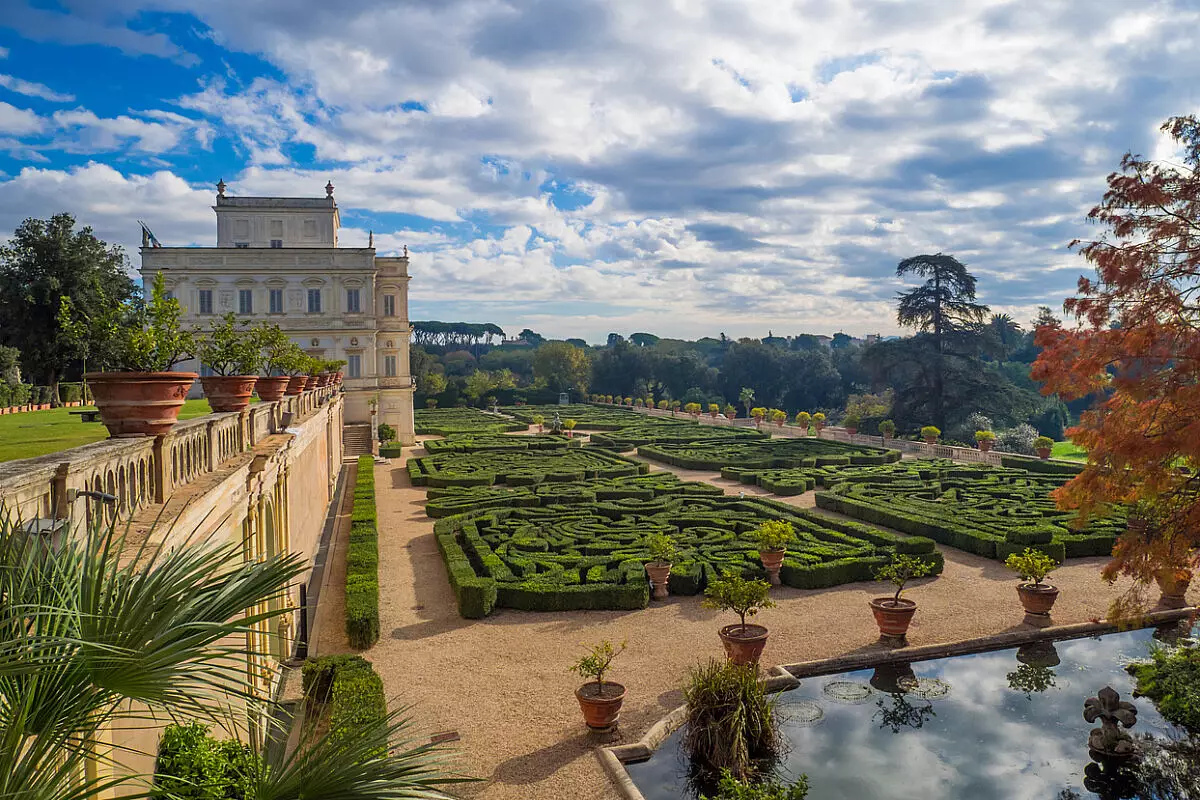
{"x": 356, "y": 440}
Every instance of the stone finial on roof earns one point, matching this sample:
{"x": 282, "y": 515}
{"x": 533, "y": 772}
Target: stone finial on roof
{"x": 406, "y": 251}
{"x": 221, "y": 188}
{"x": 370, "y": 238}
{"x": 329, "y": 189}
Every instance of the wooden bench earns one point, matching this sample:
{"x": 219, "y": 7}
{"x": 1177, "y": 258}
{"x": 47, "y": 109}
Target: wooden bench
{"x": 86, "y": 416}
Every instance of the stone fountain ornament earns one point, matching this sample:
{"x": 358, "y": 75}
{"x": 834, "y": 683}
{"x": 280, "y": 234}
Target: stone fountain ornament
{"x": 556, "y": 424}
{"x": 1109, "y": 742}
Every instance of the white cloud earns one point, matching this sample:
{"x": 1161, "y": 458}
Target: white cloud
{"x": 3, "y": 52}
{"x": 32, "y": 89}
{"x": 19, "y": 121}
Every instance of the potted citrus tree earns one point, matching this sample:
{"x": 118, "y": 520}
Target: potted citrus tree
{"x": 730, "y": 411}
{"x": 1044, "y": 445}
{"x": 231, "y": 350}
{"x": 894, "y": 614}
{"x": 142, "y": 397}
{"x": 1033, "y": 566}
{"x": 713, "y": 410}
{"x": 540, "y": 421}
{"x": 295, "y": 363}
{"x": 758, "y": 413}
{"x": 569, "y": 427}
{"x": 662, "y": 554}
{"x": 818, "y": 422}
{"x": 778, "y": 417}
{"x": 599, "y": 700}
{"x": 773, "y": 538}
{"x": 850, "y": 423}
{"x": 985, "y": 440}
{"x": 930, "y": 434}
{"x": 887, "y": 429}
{"x": 804, "y": 419}
{"x": 743, "y": 642}
{"x": 274, "y": 346}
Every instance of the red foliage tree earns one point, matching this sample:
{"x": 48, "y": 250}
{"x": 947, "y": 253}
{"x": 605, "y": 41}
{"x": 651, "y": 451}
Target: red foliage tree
{"x": 1137, "y": 347}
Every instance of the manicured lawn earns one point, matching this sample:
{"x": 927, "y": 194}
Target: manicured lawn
{"x": 38, "y": 433}
{"x": 1068, "y": 450}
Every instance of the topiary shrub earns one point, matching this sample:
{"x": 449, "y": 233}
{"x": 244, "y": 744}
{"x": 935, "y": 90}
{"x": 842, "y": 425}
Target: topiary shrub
{"x": 192, "y": 765}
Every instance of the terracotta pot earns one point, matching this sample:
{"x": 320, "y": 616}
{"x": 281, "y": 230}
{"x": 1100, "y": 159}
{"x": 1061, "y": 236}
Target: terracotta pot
{"x": 1037, "y": 599}
{"x": 601, "y": 711}
{"x": 271, "y": 389}
{"x": 852, "y": 431}
{"x": 659, "y": 576}
{"x": 139, "y": 403}
{"x": 772, "y": 560}
{"x": 893, "y": 616}
{"x": 743, "y": 647}
{"x": 894, "y": 678}
{"x": 930, "y": 440}
{"x": 1043, "y": 453}
{"x": 229, "y": 392}
{"x": 339, "y": 377}
{"x": 887, "y": 437}
{"x": 985, "y": 445}
{"x": 296, "y": 384}
{"x": 1174, "y": 585}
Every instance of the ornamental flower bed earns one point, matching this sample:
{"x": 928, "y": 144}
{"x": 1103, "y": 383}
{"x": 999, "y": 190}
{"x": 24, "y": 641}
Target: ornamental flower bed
{"x": 990, "y": 511}
{"x": 531, "y": 555}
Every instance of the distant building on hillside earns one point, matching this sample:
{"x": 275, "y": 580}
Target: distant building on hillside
{"x": 277, "y": 260}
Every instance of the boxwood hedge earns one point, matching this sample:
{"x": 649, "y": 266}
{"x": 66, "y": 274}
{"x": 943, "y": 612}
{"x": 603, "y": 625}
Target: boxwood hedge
{"x": 448, "y": 421}
{"x": 622, "y": 431}
{"x": 532, "y": 556}
{"x": 767, "y": 454}
{"x": 479, "y": 442}
{"x": 989, "y": 511}
{"x": 520, "y": 467}
{"x": 362, "y": 561}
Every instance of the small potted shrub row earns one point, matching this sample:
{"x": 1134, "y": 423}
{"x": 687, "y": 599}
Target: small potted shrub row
{"x": 985, "y": 440}
{"x": 1044, "y": 445}
{"x": 851, "y": 422}
{"x": 887, "y": 429}
{"x": 818, "y": 420}
{"x": 930, "y": 434}
{"x": 803, "y": 420}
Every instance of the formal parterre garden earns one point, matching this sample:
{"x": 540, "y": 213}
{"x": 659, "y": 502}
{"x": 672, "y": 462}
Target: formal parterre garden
{"x": 450, "y": 421}
{"x": 544, "y": 522}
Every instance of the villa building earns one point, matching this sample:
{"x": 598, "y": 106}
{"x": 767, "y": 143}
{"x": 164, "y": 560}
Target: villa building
{"x": 277, "y": 260}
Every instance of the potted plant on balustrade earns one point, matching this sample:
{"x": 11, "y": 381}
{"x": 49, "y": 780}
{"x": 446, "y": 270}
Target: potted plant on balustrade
{"x": 894, "y": 614}
{"x": 803, "y": 420}
{"x": 275, "y": 349}
{"x": 713, "y": 410}
{"x": 985, "y": 440}
{"x": 743, "y": 642}
{"x": 930, "y": 434}
{"x": 693, "y": 409}
{"x": 662, "y": 554}
{"x": 818, "y": 420}
{"x": 1033, "y": 566}
{"x": 296, "y": 364}
{"x": 600, "y": 700}
{"x": 232, "y": 351}
{"x": 730, "y": 412}
{"x": 334, "y": 367}
{"x": 887, "y": 429}
{"x": 850, "y": 422}
{"x": 778, "y": 417}
{"x": 773, "y": 537}
{"x": 758, "y": 413}
{"x": 142, "y": 397}
{"x": 1044, "y": 445}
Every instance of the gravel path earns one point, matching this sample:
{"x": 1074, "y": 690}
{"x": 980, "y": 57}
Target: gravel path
{"x": 502, "y": 682}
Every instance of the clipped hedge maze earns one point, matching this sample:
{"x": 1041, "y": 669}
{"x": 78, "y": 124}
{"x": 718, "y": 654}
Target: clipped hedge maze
{"x": 520, "y": 467}
{"x": 622, "y": 431}
{"x": 989, "y": 511}
{"x": 479, "y": 442}
{"x": 768, "y": 454}
{"x": 590, "y": 554}
{"x": 449, "y": 421}
{"x": 786, "y": 482}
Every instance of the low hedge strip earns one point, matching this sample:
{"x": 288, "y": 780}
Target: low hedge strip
{"x": 520, "y": 467}
{"x": 347, "y": 688}
{"x": 767, "y": 454}
{"x": 362, "y": 561}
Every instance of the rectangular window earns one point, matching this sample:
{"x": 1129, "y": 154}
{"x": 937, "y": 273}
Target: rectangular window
{"x": 389, "y": 305}
{"x": 245, "y": 301}
{"x": 314, "y": 301}
{"x": 276, "y": 243}
{"x": 352, "y": 304}
{"x": 389, "y": 366}
{"x": 354, "y": 366}
{"x": 206, "y": 301}
{"x": 276, "y": 301}
{"x": 310, "y": 229}
{"x": 241, "y": 229}
{"x": 276, "y": 229}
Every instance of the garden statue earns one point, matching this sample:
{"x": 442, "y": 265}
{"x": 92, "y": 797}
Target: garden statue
{"x": 556, "y": 424}
{"x": 1109, "y": 742}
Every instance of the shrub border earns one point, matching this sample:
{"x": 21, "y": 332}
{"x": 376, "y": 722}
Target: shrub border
{"x": 362, "y": 561}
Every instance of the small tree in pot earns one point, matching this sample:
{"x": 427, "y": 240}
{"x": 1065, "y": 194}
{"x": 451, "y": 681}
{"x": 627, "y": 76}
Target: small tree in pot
{"x": 713, "y": 410}
{"x": 887, "y": 429}
{"x": 778, "y": 417}
{"x": 985, "y": 439}
{"x": 743, "y": 642}
{"x": 662, "y": 554}
{"x": 540, "y": 421}
{"x": 894, "y": 614}
{"x": 296, "y": 363}
{"x": 599, "y": 700}
{"x": 818, "y": 422}
{"x": 758, "y": 414}
{"x": 930, "y": 434}
{"x": 1033, "y": 566}
{"x": 231, "y": 350}
{"x": 1044, "y": 445}
{"x": 274, "y": 349}
{"x": 569, "y": 426}
{"x": 850, "y": 422}
{"x": 773, "y": 538}
{"x": 730, "y": 412}
{"x": 143, "y": 397}
{"x": 804, "y": 420}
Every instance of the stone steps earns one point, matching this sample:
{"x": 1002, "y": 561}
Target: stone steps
{"x": 356, "y": 440}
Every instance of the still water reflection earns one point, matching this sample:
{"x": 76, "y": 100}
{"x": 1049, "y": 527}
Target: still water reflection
{"x": 1006, "y": 725}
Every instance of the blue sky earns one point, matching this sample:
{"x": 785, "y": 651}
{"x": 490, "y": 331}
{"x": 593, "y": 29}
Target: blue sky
{"x": 609, "y": 165}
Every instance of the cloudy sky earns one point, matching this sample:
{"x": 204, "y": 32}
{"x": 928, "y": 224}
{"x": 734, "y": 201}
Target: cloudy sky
{"x": 584, "y": 166}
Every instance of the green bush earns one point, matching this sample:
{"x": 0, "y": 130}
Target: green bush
{"x": 391, "y": 450}
{"x": 192, "y": 765}
{"x": 731, "y": 723}
{"x": 386, "y": 432}
{"x": 1171, "y": 678}
{"x": 69, "y": 392}
{"x": 317, "y": 674}
{"x": 362, "y": 561}
{"x": 731, "y": 788}
{"x": 348, "y": 687}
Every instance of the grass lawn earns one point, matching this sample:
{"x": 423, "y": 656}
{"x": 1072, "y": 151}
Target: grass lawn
{"x": 1068, "y": 450}
{"x": 38, "y": 433}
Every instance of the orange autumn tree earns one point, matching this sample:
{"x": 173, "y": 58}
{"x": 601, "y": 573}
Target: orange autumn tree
{"x": 1137, "y": 348}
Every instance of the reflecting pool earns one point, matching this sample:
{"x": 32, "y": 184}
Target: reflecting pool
{"x": 1004, "y": 725}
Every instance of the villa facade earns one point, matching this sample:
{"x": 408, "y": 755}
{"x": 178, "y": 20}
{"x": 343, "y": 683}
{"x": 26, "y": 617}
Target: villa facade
{"x": 277, "y": 260}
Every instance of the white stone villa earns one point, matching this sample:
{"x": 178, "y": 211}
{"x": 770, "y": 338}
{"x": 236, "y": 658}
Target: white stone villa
{"x": 277, "y": 259}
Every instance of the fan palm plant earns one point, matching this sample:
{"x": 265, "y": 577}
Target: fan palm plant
{"x": 106, "y": 629}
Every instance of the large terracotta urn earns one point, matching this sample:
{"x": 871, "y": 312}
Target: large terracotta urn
{"x": 135, "y": 404}
{"x": 271, "y": 389}
{"x": 296, "y": 384}
{"x": 743, "y": 644}
{"x": 227, "y": 393}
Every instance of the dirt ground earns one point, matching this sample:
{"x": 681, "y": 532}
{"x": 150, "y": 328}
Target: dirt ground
{"x": 502, "y": 683}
